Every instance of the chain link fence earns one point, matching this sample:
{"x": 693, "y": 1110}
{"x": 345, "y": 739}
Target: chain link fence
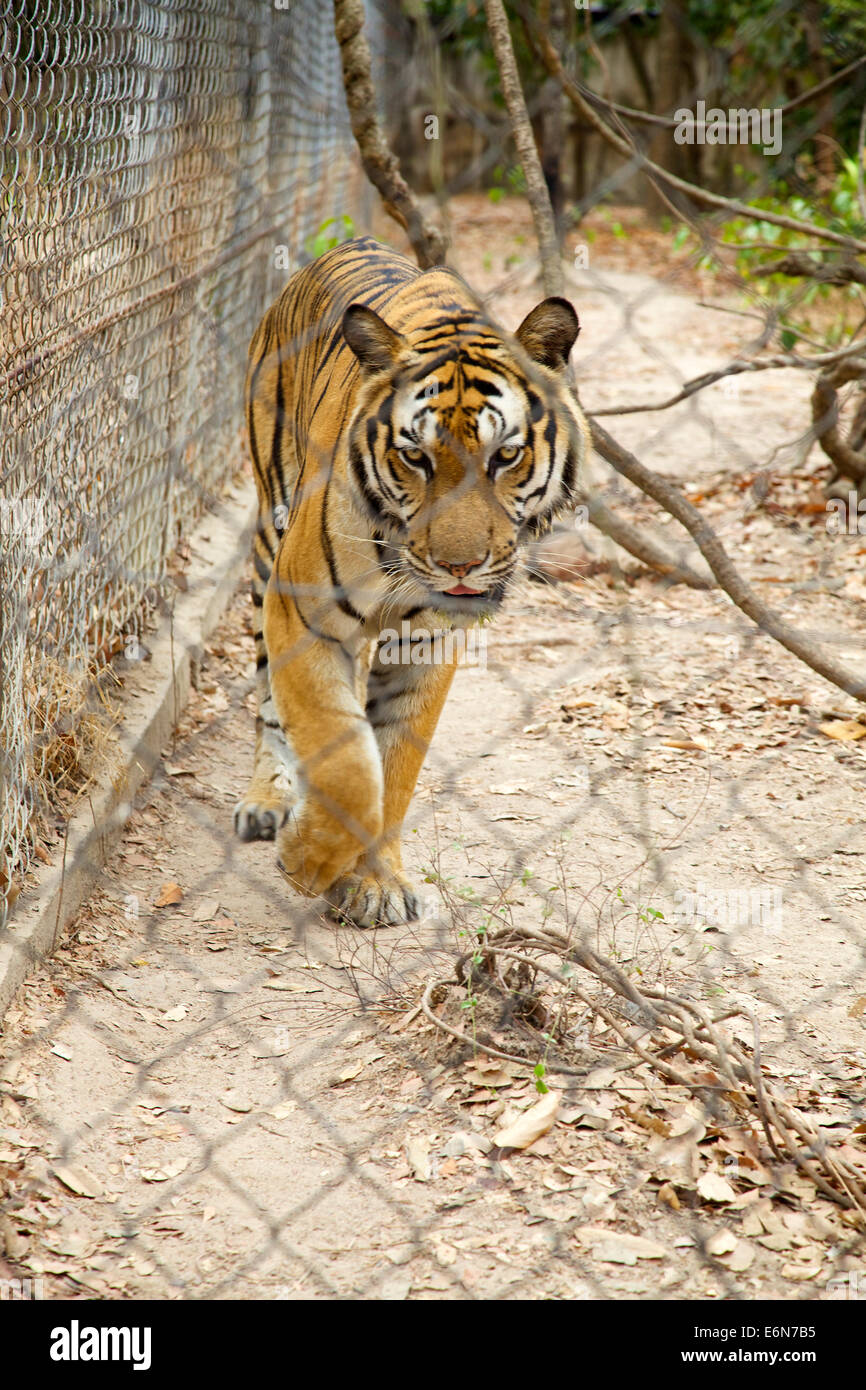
{"x": 154, "y": 156}
{"x": 212, "y": 1092}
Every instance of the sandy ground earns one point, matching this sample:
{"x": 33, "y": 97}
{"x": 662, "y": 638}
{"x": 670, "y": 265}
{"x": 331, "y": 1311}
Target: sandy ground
{"x": 226, "y": 1095}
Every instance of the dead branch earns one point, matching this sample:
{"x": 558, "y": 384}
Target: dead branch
{"x": 656, "y": 1015}
{"x": 647, "y": 118}
{"x": 736, "y": 368}
{"x": 380, "y": 164}
{"x": 846, "y": 455}
{"x": 800, "y": 264}
{"x": 639, "y": 544}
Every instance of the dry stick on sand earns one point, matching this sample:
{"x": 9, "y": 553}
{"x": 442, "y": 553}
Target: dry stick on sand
{"x": 660, "y": 1015}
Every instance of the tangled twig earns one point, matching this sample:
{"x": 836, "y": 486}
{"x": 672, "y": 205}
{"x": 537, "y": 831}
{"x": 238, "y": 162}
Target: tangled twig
{"x": 658, "y": 1014}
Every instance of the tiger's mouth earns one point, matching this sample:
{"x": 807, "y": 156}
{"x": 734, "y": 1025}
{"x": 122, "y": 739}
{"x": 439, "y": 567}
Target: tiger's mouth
{"x": 461, "y": 598}
{"x": 473, "y": 603}
{"x": 460, "y": 589}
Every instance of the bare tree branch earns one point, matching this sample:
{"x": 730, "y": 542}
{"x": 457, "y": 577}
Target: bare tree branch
{"x": 736, "y": 368}
{"x": 636, "y": 541}
{"x": 850, "y": 462}
{"x": 536, "y": 188}
{"x": 800, "y": 263}
{"x": 380, "y": 164}
{"x": 647, "y": 118}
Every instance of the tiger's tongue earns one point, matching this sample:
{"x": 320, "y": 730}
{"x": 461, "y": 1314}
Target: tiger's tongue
{"x": 463, "y": 589}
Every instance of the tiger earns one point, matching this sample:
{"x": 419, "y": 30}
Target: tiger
{"x": 404, "y": 447}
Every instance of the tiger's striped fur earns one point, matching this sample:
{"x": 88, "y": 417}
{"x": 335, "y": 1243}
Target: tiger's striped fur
{"x": 403, "y": 446}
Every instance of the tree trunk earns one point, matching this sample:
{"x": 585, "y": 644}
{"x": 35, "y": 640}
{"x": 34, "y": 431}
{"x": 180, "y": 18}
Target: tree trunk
{"x": 380, "y": 164}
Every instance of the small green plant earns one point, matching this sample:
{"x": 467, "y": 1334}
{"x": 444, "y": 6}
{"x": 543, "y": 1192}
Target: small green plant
{"x": 326, "y": 239}
{"x": 540, "y": 1071}
{"x": 757, "y": 242}
{"x": 513, "y": 177}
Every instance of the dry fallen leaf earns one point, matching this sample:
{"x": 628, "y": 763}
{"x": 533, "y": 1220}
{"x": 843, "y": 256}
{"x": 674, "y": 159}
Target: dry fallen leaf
{"x": 617, "y": 1247}
{"x": 848, "y": 730}
{"x": 714, "y": 1188}
{"x": 529, "y": 1126}
{"x": 418, "y": 1158}
{"x": 600, "y": 1079}
{"x": 801, "y": 1272}
{"x": 476, "y": 1077}
{"x": 282, "y": 1109}
{"x": 668, "y": 1195}
{"x": 348, "y": 1073}
{"x": 166, "y": 1172}
{"x": 740, "y": 1258}
{"x": 724, "y": 1242}
{"x": 169, "y": 894}
{"x": 235, "y": 1100}
{"x": 79, "y": 1180}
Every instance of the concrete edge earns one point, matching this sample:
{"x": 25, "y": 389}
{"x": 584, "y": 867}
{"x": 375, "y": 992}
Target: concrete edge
{"x": 154, "y": 696}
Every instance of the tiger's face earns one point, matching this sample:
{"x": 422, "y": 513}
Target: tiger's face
{"x": 463, "y": 443}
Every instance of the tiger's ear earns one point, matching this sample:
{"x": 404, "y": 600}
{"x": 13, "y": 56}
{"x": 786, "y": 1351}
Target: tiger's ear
{"x": 375, "y": 345}
{"x": 549, "y": 331}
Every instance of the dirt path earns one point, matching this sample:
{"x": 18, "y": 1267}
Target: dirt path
{"x": 228, "y": 1096}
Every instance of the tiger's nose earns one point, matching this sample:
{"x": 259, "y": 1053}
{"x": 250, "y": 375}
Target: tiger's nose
{"x": 461, "y": 569}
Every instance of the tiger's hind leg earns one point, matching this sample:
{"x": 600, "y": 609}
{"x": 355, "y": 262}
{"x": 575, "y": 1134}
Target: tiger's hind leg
{"x": 273, "y": 788}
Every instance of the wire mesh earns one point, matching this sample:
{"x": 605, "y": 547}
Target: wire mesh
{"x": 208, "y": 1110}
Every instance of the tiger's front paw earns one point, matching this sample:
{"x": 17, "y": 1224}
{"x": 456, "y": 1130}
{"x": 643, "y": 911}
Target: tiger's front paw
{"x": 369, "y": 901}
{"x": 312, "y": 862}
{"x": 260, "y": 817}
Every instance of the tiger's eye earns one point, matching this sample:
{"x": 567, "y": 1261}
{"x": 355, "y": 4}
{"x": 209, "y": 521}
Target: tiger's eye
{"x": 506, "y": 454}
